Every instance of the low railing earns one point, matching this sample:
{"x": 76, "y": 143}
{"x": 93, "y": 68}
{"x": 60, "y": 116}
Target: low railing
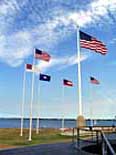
{"x": 92, "y": 136}
{"x": 106, "y": 146}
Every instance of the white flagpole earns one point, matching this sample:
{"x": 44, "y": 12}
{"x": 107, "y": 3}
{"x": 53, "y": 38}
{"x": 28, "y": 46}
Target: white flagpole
{"x": 63, "y": 108}
{"x": 38, "y": 119}
{"x": 31, "y": 103}
{"x": 91, "y": 108}
{"x": 23, "y": 102}
{"x": 79, "y": 71}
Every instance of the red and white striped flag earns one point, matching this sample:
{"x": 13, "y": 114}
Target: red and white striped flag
{"x": 89, "y": 42}
{"x": 94, "y": 81}
{"x": 67, "y": 83}
{"x": 42, "y": 55}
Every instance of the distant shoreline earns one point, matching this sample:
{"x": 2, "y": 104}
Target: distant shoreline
{"x": 70, "y": 119}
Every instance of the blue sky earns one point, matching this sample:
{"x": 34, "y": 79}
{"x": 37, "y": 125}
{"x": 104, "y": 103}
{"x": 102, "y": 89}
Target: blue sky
{"x": 51, "y": 26}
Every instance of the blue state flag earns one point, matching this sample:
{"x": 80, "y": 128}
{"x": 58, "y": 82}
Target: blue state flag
{"x": 44, "y": 77}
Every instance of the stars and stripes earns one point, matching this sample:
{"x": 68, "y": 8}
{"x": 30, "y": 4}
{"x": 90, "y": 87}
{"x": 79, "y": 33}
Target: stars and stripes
{"x": 67, "y": 83}
{"x": 89, "y": 42}
{"x": 42, "y": 55}
{"x": 94, "y": 81}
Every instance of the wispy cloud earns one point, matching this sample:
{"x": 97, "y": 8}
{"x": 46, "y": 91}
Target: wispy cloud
{"x": 97, "y": 11}
{"x": 61, "y": 63}
{"x": 113, "y": 41}
{"x": 24, "y": 27}
{"x": 14, "y": 48}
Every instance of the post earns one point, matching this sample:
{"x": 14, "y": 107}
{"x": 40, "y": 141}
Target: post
{"x": 63, "y": 108}
{"x": 38, "y": 121}
{"x": 78, "y": 137}
{"x": 23, "y": 102}
{"x": 80, "y": 119}
{"x": 115, "y": 123}
{"x": 79, "y": 71}
{"x": 73, "y": 136}
{"x": 31, "y": 103}
{"x": 91, "y": 109}
{"x": 97, "y": 137}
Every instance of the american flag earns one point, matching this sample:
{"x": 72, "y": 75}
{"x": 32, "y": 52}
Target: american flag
{"x": 42, "y": 55}
{"x": 67, "y": 83}
{"x": 89, "y": 42}
{"x": 94, "y": 81}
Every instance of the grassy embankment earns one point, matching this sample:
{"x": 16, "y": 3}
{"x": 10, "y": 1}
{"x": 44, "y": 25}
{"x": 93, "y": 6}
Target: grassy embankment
{"x": 11, "y": 137}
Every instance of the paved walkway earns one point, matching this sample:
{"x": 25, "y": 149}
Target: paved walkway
{"x": 44, "y": 149}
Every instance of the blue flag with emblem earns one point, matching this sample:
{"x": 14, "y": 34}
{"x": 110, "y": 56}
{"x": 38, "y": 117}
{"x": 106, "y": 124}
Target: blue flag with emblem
{"x": 44, "y": 77}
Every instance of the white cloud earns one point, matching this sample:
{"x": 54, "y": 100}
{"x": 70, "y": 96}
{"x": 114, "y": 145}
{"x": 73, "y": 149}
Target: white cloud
{"x": 61, "y": 63}
{"x": 14, "y": 48}
{"x": 11, "y": 7}
{"x": 96, "y": 11}
{"x": 113, "y": 41}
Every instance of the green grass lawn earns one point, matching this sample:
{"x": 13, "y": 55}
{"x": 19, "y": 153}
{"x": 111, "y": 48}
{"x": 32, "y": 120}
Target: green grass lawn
{"x": 11, "y": 137}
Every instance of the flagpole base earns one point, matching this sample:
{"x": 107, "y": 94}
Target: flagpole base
{"x": 30, "y": 139}
{"x": 21, "y": 135}
{"x": 81, "y": 121}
